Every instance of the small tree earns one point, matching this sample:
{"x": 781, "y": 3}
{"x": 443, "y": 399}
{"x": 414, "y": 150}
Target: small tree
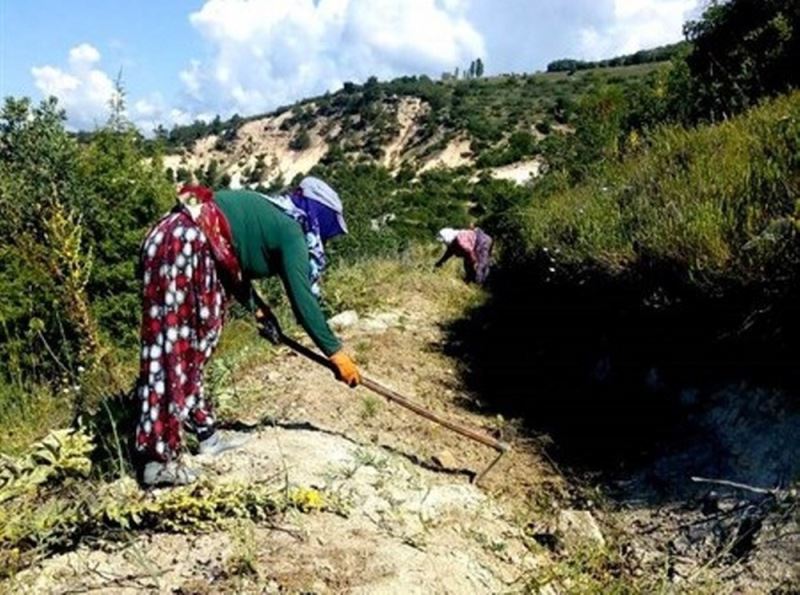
{"x": 301, "y": 142}
{"x": 160, "y": 133}
{"x": 211, "y": 176}
{"x": 597, "y": 138}
{"x": 216, "y": 125}
{"x": 183, "y": 175}
{"x": 521, "y": 144}
{"x": 277, "y": 185}
{"x": 742, "y": 51}
{"x": 478, "y": 68}
{"x": 544, "y": 127}
{"x": 117, "y": 120}
{"x": 122, "y": 194}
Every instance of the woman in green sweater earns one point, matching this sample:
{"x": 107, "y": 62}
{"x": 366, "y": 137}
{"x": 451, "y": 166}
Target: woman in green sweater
{"x": 211, "y": 247}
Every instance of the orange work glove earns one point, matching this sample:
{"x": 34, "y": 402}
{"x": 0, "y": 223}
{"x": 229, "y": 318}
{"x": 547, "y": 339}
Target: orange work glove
{"x": 346, "y": 369}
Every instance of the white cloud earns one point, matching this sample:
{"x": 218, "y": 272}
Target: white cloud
{"x": 83, "y": 55}
{"x": 191, "y": 79}
{"x": 272, "y": 52}
{"x": 524, "y": 35}
{"x": 82, "y": 90}
{"x": 85, "y": 91}
{"x": 151, "y": 111}
{"x": 146, "y": 108}
{"x": 635, "y": 25}
{"x": 265, "y": 53}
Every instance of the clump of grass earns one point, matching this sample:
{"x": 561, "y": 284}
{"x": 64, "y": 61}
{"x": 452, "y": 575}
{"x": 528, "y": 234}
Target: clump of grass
{"x": 370, "y": 405}
{"x": 48, "y": 502}
{"x": 27, "y": 412}
{"x": 591, "y": 568}
{"x": 243, "y": 560}
{"x": 240, "y": 350}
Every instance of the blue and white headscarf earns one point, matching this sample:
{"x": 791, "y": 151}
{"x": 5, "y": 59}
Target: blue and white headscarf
{"x": 318, "y": 209}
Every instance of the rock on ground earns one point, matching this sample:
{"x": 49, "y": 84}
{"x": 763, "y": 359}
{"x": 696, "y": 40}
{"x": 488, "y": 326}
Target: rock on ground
{"x": 578, "y": 528}
{"x": 344, "y": 319}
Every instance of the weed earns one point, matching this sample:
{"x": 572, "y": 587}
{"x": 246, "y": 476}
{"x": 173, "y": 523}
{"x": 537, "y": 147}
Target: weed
{"x": 370, "y": 405}
{"x": 370, "y": 458}
{"x": 243, "y": 560}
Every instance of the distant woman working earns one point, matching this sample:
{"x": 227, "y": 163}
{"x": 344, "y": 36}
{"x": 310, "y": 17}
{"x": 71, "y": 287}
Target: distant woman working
{"x": 473, "y": 246}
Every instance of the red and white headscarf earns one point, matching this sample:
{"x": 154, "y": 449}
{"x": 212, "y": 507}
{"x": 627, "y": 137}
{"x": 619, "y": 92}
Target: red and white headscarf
{"x": 198, "y": 202}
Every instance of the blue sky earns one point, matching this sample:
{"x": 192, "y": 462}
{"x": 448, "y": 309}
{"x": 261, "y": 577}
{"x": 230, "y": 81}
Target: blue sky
{"x": 150, "y": 40}
{"x": 183, "y": 59}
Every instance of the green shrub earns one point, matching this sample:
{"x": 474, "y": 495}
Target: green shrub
{"x": 301, "y": 141}
{"x": 544, "y": 126}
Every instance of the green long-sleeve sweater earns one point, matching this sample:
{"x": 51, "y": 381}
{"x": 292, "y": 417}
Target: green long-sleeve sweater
{"x": 268, "y": 242}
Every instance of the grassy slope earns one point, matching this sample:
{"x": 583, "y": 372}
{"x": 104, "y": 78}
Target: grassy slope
{"x": 411, "y": 357}
{"x": 717, "y": 201}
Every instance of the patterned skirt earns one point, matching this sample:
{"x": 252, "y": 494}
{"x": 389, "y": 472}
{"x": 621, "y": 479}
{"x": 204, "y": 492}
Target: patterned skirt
{"x": 483, "y": 256}
{"x": 183, "y": 311}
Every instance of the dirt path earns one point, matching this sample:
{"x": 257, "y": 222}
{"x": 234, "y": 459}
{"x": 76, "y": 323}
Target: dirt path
{"x": 402, "y": 349}
{"x": 400, "y": 529}
{"x": 403, "y": 523}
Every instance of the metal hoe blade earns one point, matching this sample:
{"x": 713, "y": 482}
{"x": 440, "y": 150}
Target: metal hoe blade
{"x": 479, "y": 477}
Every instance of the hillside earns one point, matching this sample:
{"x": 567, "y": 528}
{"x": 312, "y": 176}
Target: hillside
{"x": 497, "y": 124}
{"x": 660, "y": 54}
{"x": 636, "y": 343}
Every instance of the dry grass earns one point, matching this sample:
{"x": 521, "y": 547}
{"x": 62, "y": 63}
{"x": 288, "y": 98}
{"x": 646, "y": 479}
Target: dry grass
{"x": 28, "y": 413}
{"x": 383, "y": 283}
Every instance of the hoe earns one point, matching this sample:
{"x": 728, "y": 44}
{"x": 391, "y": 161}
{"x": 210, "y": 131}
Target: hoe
{"x": 501, "y": 447}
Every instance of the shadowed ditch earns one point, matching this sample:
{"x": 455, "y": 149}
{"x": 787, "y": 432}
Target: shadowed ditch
{"x": 619, "y": 370}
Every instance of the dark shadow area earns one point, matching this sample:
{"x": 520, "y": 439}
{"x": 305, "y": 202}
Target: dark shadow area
{"x": 616, "y": 369}
{"x": 112, "y": 424}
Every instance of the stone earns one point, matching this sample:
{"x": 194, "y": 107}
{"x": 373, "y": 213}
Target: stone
{"x": 578, "y": 528}
{"x": 388, "y": 318}
{"x": 344, "y": 319}
{"x": 373, "y": 325}
{"x": 380, "y": 323}
{"x": 445, "y": 460}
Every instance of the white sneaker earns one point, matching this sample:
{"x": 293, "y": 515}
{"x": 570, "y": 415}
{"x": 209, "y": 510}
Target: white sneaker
{"x": 216, "y": 444}
{"x": 167, "y": 474}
